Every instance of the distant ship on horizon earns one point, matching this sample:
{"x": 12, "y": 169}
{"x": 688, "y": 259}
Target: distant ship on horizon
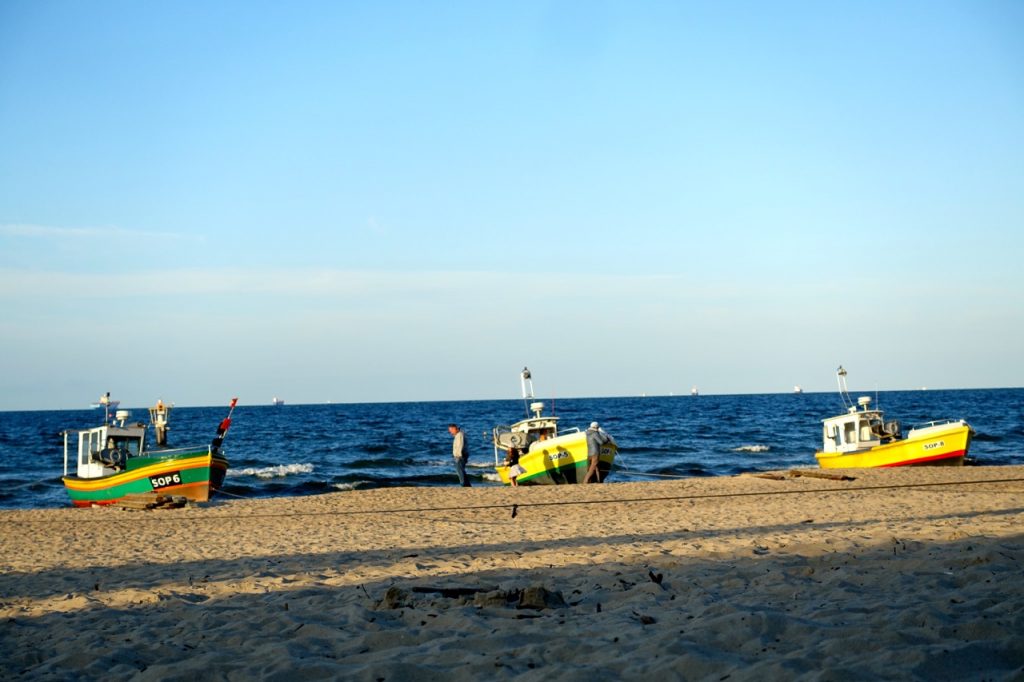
{"x": 277, "y": 401}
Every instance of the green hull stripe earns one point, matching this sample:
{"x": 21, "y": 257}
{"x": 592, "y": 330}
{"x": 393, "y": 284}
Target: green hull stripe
{"x": 140, "y": 485}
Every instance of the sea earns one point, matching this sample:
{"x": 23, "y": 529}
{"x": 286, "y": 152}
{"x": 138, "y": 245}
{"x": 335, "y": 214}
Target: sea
{"x": 296, "y": 450}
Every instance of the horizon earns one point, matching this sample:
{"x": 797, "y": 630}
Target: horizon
{"x": 545, "y": 399}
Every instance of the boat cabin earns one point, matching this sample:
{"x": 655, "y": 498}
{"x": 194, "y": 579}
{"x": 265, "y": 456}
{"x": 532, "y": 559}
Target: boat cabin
{"x": 523, "y": 434}
{"x": 860, "y": 428}
{"x": 106, "y": 449}
{"x": 529, "y": 431}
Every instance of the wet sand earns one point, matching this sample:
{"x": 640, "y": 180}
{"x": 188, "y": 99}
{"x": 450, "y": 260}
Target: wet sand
{"x": 897, "y": 574}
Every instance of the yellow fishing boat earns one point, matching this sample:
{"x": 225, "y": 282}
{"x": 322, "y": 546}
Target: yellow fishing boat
{"x": 862, "y": 438}
{"x": 543, "y": 454}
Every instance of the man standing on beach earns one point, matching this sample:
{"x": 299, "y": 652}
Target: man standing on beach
{"x": 596, "y": 437}
{"x": 460, "y": 450}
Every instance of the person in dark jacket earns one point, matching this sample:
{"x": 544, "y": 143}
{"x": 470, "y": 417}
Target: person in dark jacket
{"x": 515, "y": 469}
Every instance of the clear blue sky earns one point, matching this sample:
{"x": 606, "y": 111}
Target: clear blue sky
{"x": 365, "y": 201}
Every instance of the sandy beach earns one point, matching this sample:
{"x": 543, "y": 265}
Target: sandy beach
{"x": 895, "y": 574}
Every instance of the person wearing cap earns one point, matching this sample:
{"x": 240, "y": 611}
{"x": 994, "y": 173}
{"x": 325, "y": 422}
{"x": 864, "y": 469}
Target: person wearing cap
{"x": 460, "y": 450}
{"x": 596, "y": 437}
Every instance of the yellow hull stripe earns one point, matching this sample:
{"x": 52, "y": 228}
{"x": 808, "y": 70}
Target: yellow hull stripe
{"x": 90, "y": 484}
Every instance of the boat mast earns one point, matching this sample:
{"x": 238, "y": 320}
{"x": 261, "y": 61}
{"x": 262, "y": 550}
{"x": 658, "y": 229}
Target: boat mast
{"x": 159, "y": 416}
{"x": 105, "y": 402}
{"x": 844, "y": 393}
{"x": 527, "y": 385}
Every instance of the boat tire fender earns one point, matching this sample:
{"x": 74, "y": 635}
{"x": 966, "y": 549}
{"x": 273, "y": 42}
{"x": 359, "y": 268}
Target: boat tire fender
{"x": 113, "y": 457}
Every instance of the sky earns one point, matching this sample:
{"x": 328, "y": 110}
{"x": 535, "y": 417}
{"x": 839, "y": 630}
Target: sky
{"x": 405, "y": 201}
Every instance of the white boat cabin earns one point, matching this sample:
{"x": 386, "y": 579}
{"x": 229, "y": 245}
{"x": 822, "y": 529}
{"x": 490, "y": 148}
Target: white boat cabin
{"x": 105, "y": 450}
{"x": 860, "y": 428}
{"x": 523, "y": 434}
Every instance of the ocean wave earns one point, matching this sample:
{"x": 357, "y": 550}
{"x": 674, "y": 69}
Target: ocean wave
{"x": 352, "y": 485}
{"x": 495, "y": 478}
{"x": 752, "y": 448}
{"x": 279, "y": 471}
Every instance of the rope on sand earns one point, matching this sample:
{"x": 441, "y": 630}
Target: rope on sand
{"x": 523, "y": 505}
{"x": 648, "y": 473}
{"x": 221, "y": 491}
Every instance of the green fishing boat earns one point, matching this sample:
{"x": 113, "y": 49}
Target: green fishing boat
{"x": 114, "y": 460}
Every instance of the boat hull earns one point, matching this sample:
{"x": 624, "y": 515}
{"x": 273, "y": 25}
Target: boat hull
{"x": 194, "y": 474}
{"x": 933, "y": 447}
{"x": 559, "y": 461}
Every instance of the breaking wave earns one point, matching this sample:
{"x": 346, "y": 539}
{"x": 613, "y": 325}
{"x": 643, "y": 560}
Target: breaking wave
{"x": 279, "y": 471}
{"x": 752, "y": 448}
{"x": 353, "y": 485}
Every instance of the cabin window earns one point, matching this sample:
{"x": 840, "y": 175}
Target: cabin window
{"x": 540, "y": 434}
{"x": 127, "y": 444}
{"x": 88, "y": 445}
{"x": 849, "y": 432}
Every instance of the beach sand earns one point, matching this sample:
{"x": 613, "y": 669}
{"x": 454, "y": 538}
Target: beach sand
{"x": 896, "y": 574}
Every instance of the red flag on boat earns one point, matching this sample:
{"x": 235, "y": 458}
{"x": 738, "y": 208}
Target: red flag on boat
{"x": 218, "y": 440}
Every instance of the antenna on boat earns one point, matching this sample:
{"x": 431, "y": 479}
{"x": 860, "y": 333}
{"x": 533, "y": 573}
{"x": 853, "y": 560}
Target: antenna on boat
{"x": 527, "y": 384}
{"x": 844, "y": 393}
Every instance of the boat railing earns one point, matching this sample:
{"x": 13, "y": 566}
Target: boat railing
{"x": 498, "y": 431}
{"x": 495, "y": 440}
{"x": 164, "y": 452}
{"x": 935, "y": 422}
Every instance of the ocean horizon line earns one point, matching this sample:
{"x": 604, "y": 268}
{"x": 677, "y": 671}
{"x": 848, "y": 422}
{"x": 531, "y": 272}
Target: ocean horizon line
{"x": 683, "y": 394}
